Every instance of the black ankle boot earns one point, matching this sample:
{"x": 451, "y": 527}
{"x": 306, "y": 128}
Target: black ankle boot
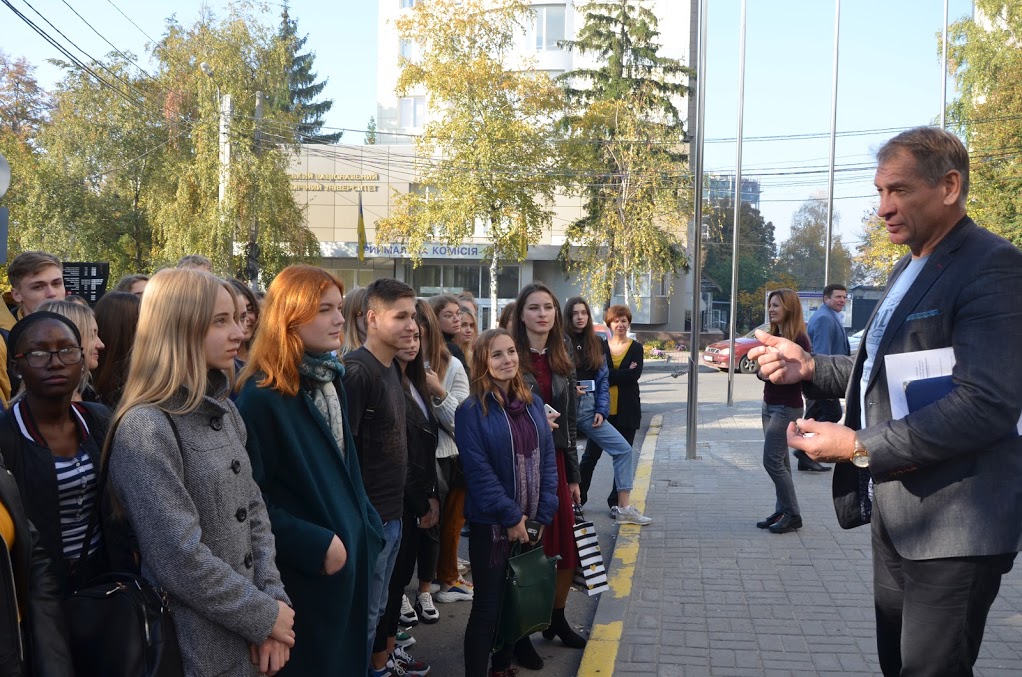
{"x": 559, "y": 627}
{"x": 526, "y": 654}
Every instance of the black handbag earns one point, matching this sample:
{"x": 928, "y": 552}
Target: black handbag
{"x": 528, "y": 599}
{"x": 119, "y": 625}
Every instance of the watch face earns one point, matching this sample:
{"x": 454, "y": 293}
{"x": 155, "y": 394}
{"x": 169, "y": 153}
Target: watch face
{"x": 861, "y": 461}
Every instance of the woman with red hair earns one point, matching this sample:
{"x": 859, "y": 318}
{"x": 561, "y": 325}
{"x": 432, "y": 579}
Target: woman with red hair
{"x": 303, "y": 457}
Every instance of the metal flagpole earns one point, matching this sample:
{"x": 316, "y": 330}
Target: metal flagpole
{"x": 943, "y": 75}
{"x": 833, "y": 139}
{"x": 692, "y": 421}
{"x": 738, "y": 215}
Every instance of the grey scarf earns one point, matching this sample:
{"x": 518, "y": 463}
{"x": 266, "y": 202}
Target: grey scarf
{"x": 322, "y": 370}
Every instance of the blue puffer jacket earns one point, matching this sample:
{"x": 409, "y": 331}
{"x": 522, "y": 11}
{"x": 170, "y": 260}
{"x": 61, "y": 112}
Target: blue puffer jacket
{"x": 602, "y": 393}
{"x": 484, "y": 442}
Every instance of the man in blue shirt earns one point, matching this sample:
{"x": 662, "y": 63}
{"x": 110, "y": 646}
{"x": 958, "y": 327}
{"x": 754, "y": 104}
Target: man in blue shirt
{"x": 828, "y": 337}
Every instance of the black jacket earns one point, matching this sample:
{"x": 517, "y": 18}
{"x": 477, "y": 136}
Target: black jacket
{"x": 565, "y": 401}
{"x": 629, "y": 406}
{"x": 31, "y": 464}
{"x": 40, "y": 647}
{"x": 420, "y": 485}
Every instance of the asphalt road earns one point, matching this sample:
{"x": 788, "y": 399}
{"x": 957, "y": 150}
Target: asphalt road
{"x": 440, "y": 644}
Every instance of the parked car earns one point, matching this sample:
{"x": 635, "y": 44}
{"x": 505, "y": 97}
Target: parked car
{"x": 854, "y": 340}
{"x": 716, "y": 354}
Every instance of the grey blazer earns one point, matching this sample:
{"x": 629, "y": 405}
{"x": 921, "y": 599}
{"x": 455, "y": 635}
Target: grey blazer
{"x": 948, "y": 477}
{"x": 202, "y": 528}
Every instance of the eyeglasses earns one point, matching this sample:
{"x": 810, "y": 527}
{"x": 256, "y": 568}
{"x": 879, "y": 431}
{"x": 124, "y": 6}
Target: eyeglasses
{"x": 38, "y": 359}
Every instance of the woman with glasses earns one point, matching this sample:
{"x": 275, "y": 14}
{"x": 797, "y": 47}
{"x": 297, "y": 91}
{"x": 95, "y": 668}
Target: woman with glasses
{"x": 51, "y": 444}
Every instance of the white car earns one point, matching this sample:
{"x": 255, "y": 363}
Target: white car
{"x": 854, "y": 340}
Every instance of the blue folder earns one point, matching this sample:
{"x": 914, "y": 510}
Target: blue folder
{"x": 926, "y": 391}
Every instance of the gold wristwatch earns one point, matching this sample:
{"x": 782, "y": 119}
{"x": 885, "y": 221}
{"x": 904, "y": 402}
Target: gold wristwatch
{"x": 860, "y": 456}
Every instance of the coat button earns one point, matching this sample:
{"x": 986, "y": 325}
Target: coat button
{"x": 216, "y": 423}
{"x": 236, "y": 466}
{"x": 241, "y": 514}
{"x": 248, "y": 561}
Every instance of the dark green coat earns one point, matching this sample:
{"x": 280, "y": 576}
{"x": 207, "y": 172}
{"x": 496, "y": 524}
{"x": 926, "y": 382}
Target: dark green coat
{"x": 312, "y": 493}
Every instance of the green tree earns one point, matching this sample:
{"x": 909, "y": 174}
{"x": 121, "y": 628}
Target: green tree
{"x": 986, "y": 62}
{"x": 244, "y": 56}
{"x": 756, "y": 252}
{"x": 802, "y": 254}
{"x": 484, "y": 155}
{"x": 23, "y": 103}
{"x": 302, "y": 88}
{"x": 875, "y": 254}
{"x": 371, "y": 132}
{"x": 624, "y": 151}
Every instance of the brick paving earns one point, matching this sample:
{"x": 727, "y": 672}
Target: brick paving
{"x": 714, "y": 595}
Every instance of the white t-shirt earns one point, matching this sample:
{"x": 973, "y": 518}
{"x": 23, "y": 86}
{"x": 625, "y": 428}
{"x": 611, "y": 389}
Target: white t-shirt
{"x": 879, "y": 326}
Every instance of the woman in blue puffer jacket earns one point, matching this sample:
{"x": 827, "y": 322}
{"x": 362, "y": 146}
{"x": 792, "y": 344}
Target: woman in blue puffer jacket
{"x": 507, "y": 449}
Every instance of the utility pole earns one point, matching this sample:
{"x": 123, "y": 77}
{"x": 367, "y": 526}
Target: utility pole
{"x": 252, "y": 250}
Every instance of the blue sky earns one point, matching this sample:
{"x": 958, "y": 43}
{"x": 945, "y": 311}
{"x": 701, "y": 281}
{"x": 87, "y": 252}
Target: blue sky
{"x": 889, "y": 78}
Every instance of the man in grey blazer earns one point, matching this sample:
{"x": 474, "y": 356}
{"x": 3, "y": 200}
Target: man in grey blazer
{"x": 943, "y": 485}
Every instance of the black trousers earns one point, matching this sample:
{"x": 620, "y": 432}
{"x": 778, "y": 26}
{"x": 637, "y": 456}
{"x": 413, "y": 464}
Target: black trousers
{"x": 931, "y": 613}
{"x": 489, "y": 571}
{"x": 824, "y": 410}
{"x": 592, "y": 455}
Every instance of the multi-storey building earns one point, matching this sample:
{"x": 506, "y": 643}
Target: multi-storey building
{"x": 328, "y": 181}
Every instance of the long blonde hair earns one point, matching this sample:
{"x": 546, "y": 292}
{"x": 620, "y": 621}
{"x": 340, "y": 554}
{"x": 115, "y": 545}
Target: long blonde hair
{"x": 169, "y": 352}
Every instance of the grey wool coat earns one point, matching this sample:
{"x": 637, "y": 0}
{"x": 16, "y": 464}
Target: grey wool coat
{"x": 202, "y": 528}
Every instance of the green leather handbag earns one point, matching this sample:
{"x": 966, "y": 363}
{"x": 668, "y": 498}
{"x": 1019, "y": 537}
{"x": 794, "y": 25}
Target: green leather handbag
{"x": 528, "y": 594}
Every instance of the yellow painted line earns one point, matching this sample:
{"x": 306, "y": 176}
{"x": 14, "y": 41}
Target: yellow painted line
{"x": 601, "y": 650}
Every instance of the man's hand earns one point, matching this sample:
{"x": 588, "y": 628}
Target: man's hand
{"x": 597, "y": 420}
{"x": 336, "y": 557}
{"x": 270, "y": 656}
{"x": 782, "y": 361}
{"x": 826, "y": 442}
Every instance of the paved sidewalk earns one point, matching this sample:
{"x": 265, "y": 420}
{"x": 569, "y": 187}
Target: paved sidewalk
{"x": 713, "y": 595}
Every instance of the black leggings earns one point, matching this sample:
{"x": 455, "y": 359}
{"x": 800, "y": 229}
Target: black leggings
{"x": 489, "y": 570}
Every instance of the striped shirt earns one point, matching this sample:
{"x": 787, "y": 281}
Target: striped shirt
{"x": 77, "y": 484}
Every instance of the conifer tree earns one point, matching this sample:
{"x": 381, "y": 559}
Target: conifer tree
{"x": 303, "y": 89}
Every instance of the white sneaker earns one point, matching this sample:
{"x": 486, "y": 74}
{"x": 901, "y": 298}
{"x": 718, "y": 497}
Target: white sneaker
{"x": 454, "y": 593}
{"x": 630, "y": 515}
{"x": 463, "y": 566}
{"x": 425, "y": 610}
{"x": 408, "y": 616}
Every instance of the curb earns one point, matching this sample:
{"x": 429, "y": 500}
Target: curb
{"x": 601, "y": 649}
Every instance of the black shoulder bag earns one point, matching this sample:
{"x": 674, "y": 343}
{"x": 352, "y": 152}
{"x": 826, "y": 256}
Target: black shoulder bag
{"x": 120, "y": 624}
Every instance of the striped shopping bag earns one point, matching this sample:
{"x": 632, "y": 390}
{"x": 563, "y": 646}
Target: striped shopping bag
{"x": 591, "y": 575}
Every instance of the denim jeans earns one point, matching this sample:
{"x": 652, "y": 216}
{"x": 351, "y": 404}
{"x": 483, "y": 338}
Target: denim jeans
{"x": 776, "y": 460}
{"x": 380, "y": 582}
{"x": 609, "y": 439}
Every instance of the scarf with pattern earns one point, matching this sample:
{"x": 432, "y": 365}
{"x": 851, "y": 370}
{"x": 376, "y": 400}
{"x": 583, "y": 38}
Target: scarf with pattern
{"x": 322, "y": 371}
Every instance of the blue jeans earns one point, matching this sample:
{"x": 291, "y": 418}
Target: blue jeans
{"x": 380, "y": 582}
{"x": 609, "y": 439}
{"x": 776, "y": 460}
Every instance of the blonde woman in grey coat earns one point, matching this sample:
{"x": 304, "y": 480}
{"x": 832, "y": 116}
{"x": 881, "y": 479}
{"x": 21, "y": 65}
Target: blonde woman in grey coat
{"x": 179, "y": 468}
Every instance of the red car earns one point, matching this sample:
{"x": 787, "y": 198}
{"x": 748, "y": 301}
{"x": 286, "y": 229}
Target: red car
{"x": 716, "y": 354}
{"x": 602, "y": 330}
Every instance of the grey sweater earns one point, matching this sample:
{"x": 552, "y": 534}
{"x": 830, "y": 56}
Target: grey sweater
{"x": 202, "y": 528}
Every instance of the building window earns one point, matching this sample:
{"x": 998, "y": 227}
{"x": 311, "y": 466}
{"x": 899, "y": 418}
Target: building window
{"x": 405, "y": 48}
{"x": 413, "y": 111}
{"x": 408, "y": 4}
{"x": 549, "y": 27}
{"x": 454, "y": 278}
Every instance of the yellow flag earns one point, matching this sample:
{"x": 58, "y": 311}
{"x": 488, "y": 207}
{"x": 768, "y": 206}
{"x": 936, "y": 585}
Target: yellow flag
{"x": 361, "y": 231}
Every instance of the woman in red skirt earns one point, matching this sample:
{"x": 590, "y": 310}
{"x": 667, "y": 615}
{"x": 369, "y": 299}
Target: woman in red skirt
{"x": 549, "y": 370}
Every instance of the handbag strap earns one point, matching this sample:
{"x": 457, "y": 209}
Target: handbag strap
{"x": 104, "y": 472}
